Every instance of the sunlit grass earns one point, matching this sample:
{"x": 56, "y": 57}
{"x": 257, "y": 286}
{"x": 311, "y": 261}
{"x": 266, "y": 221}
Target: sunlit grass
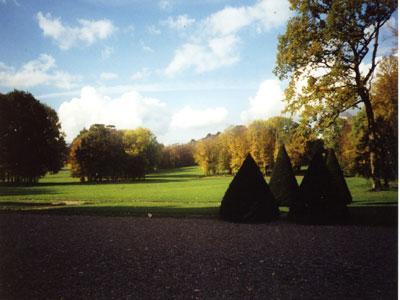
{"x": 181, "y": 191}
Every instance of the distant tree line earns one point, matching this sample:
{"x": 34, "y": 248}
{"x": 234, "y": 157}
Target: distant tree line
{"x": 31, "y": 141}
{"x": 348, "y": 135}
{"x": 177, "y": 155}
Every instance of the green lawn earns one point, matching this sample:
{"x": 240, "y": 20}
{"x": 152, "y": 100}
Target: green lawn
{"x": 175, "y": 192}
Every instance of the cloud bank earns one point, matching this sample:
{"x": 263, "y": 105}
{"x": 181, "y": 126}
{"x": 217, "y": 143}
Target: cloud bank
{"x": 40, "y": 71}
{"x": 268, "y": 102}
{"x": 86, "y": 32}
{"x": 131, "y": 110}
{"x": 214, "y": 43}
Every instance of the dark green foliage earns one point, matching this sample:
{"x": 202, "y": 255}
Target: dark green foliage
{"x": 318, "y": 201}
{"x": 342, "y": 190}
{"x": 31, "y": 141}
{"x": 283, "y": 183}
{"x": 248, "y": 197}
{"x": 98, "y": 155}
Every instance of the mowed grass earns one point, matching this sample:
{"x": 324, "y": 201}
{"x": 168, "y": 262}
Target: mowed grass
{"x": 183, "y": 191}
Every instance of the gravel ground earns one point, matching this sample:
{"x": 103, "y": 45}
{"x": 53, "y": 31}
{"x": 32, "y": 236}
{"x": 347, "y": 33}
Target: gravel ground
{"x": 75, "y": 257}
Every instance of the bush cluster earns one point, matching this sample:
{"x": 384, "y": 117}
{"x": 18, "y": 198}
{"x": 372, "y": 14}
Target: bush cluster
{"x": 321, "y": 198}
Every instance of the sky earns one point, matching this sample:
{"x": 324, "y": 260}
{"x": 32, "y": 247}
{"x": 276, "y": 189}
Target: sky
{"x": 182, "y": 68}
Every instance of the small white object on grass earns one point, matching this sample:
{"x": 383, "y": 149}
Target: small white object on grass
{"x": 150, "y": 215}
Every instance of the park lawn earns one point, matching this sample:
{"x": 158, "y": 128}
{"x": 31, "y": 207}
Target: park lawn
{"x": 182, "y": 191}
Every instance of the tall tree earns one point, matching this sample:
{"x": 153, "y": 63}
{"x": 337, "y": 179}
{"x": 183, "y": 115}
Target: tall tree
{"x": 142, "y": 142}
{"x": 262, "y": 139}
{"x": 323, "y": 50}
{"x": 238, "y": 146}
{"x": 31, "y": 141}
{"x": 206, "y": 154}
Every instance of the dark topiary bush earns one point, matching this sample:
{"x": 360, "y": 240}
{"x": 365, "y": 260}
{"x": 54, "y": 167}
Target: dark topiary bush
{"x": 248, "y": 197}
{"x": 318, "y": 201}
{"x": 342, "y": 190}
{"x": 283, "y": 183}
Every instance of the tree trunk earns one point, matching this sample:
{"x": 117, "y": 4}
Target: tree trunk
{"x": 372, "y": 141}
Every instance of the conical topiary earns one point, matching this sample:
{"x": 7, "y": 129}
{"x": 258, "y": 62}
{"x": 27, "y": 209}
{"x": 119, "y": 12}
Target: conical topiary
{"x": 317, "y": 202}
{"x": 342, "y": 190}
{"x": 283, "y": 183}
{"x": 248, "y": 197}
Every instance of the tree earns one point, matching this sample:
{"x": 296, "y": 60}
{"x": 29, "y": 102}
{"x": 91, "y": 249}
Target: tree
{"x": 324, "y": 48}
{"x": 177, "y": 155}
{"x": 206, "y": 154}
{"x": 100, "y": 153}
{"x": 385, "y": 103}
{"x": 339, "y": 138}
{"x": 238, "y": 146}
{"x": 248, "y": 197}
{"x": 142, "y": 142}
{"x": 31, "y": 141}
{"x": 384, "y": 97}
{"x": 262, "y": 139}
{"x": 76, "y": 170}
{"x": 283, "y": 183}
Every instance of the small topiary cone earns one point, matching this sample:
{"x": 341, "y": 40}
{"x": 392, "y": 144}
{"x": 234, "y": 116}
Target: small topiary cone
{"x": 317, "y": 202}
{"x": 283, "y": 183}
{"x": 248, "y": 197}
{"x": 342, "y": 190}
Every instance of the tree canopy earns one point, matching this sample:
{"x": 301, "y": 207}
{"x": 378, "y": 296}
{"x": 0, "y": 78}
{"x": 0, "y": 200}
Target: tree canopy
{"x": 31, "y": 141}
{"x": 323, "y": 51}
{"x": 103, "y": 153}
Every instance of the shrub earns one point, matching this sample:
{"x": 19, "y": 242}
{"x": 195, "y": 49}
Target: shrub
{"x": 283, "y": 183}
{"x": 248, "y": 197}
{"x": 342, "y": 190}
{"x": 318, "y": 200}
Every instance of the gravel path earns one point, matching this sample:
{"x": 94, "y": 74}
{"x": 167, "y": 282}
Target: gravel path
{"x": 75, "y": 257}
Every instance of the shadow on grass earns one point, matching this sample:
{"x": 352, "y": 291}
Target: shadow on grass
{"x": 18, "y": 204}
{"x": 148, "y": 180}
{"x": 180, "y": 177}
{"x": 358, "y": 215}
{"x": 123, "y": 211}
{"x": 23, "y": 190}
{"x": 374, "y": 215}
{"x": 375, "y": 203}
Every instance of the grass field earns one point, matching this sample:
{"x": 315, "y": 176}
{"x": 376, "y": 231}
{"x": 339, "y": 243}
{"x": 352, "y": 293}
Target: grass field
{"x": 175, "y": 192}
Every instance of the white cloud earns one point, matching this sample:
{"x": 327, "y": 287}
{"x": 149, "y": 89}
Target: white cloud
{"x": 14, "y": 1}
{"x": 219, "y": 52}
{"x": 129, "y": 110}
{"x": 153, "y": 30}
{"x": 164, "y": 5}
{"x": 179, "y": 23}
{"x": 214, "y": 43}
{"x": 265, "y": 14}
{"x": 146, "y": 48}
{"x": 108, "y": 76}
{"x": 87, "y": 32}
{"x": 142, "y": 74}
{"x": 267, "y": 103}
{"x": 106, "y": 52}
{"x": 189, "y": 123}
{"x": 41, "y": 71}
{"x": 188, "y": 117}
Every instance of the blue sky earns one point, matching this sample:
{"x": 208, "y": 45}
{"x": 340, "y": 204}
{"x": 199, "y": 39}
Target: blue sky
{"x": 182, "y": 68}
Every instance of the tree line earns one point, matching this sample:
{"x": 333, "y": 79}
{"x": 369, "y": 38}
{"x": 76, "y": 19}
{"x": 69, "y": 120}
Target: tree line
{"x": 348, "y": 135}
{"x": 32, "y": 143}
